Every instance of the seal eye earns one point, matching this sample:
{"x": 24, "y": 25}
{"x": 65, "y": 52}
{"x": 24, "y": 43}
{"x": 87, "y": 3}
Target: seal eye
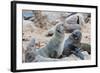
{"x": 75, "y": 36}
{"x": 59, "y": 31}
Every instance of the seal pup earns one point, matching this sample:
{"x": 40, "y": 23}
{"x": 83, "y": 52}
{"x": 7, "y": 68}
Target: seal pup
{"x": 30, "y": 51}
{"x": 73, "y": 40}
{"x": 54, "y": 47}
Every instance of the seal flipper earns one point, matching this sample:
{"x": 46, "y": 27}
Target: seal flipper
{"x": 77, "y": 52}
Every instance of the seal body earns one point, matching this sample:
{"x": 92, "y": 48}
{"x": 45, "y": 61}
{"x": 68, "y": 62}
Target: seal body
{"x": 54, "y": 47}
{"x": 74, "y": 39}
{"x": 30, "y": 51}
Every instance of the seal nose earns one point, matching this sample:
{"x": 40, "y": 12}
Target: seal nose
{"x": 76, "y": 38}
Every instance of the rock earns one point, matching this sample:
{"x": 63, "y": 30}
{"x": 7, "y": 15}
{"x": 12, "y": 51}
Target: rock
{"x": 28, "y": 26}
{"x": 74, "y": 22}
{"x": 86, "y": 47}
{"x": 86, "y": 55}
{"x": 32, "y": 19}
{"x": 75, "y": 19}
{"x": 27, "y": 18}
{"x": 71, "y": 27}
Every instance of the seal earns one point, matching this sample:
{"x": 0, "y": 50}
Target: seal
{"x": 54, "y": 47}
{"x": 72, "y": 43}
